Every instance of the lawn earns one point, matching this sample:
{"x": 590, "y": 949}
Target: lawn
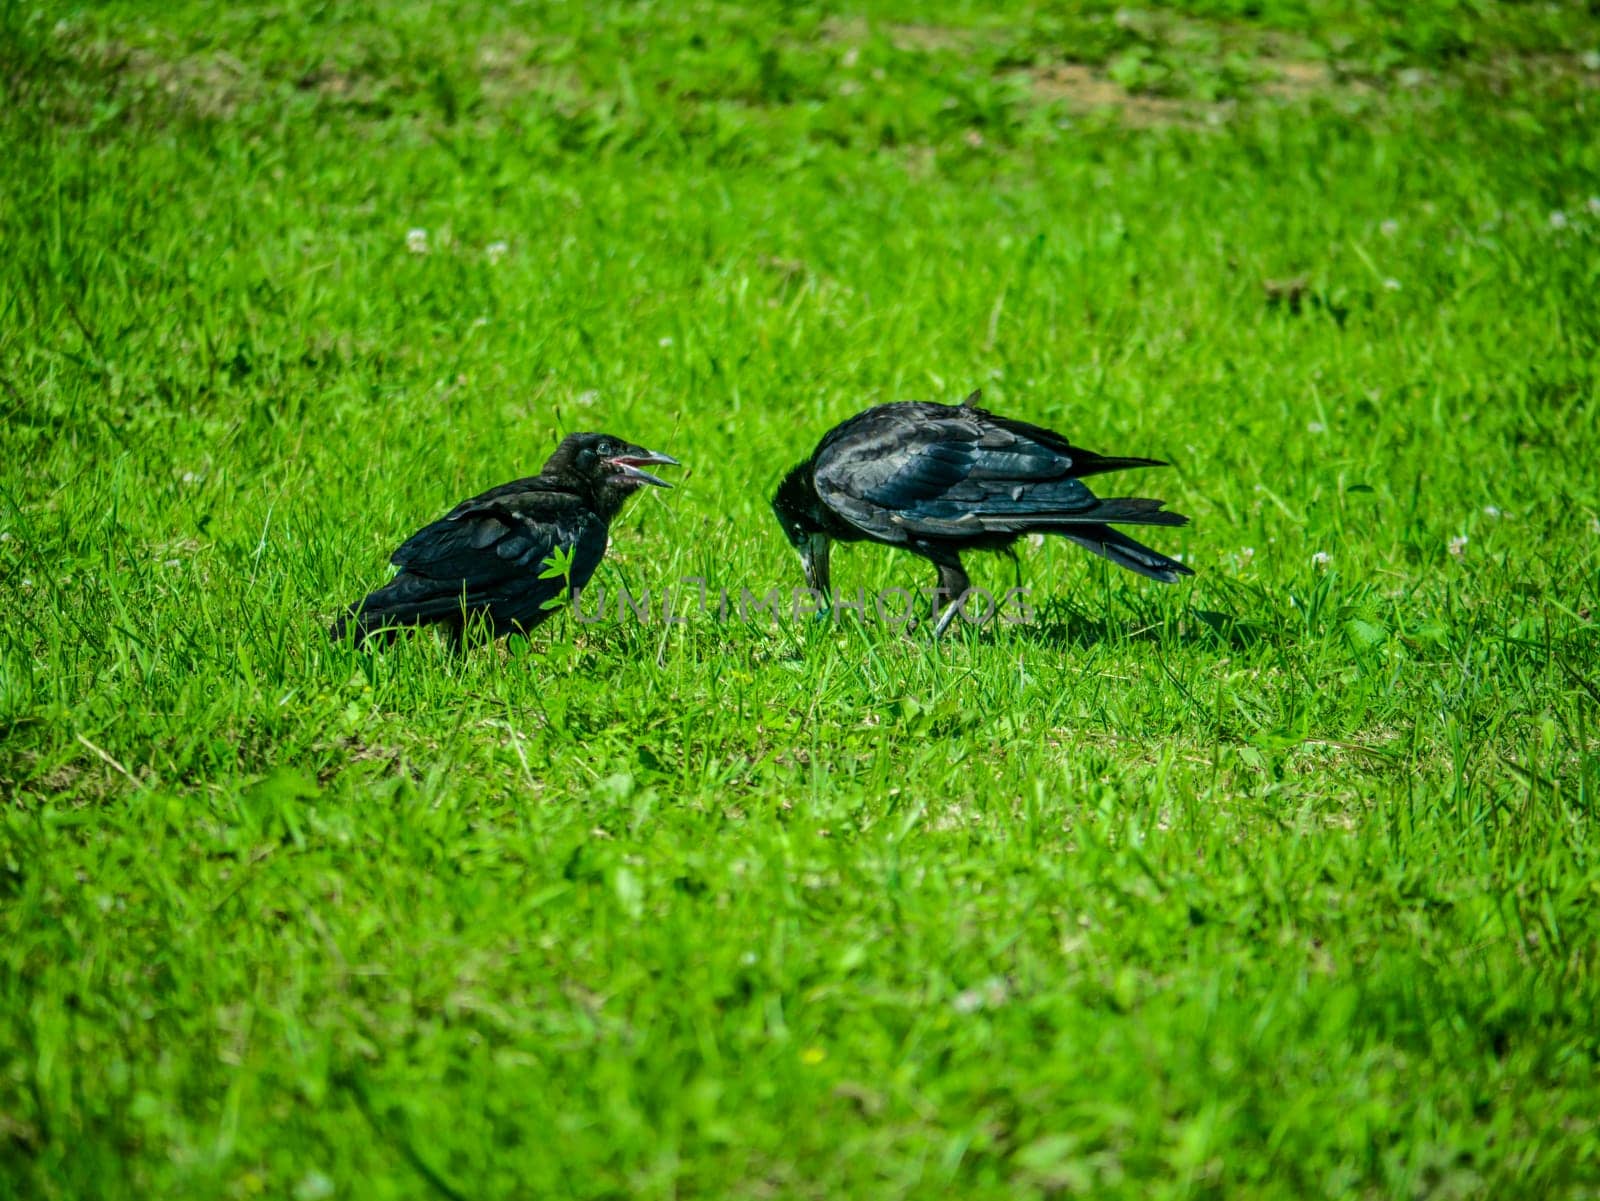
{"x": 1280, "y": 882}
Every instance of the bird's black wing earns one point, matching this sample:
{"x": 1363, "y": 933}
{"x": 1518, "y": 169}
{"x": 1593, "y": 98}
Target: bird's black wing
{"x": 909, "y": 471}
{"x": 484, "y": 558}
{"x": 506, "y": 534}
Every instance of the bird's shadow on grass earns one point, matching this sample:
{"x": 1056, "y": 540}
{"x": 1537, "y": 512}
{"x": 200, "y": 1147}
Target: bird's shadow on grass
{"x": 1062, "y": 625}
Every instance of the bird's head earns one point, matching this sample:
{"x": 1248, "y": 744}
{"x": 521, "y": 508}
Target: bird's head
{"x": 609, "y": 461}
{"x": 799, "y": 512}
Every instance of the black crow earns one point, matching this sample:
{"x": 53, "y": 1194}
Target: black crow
{"x": 940, "y": 479}
{"x": 481, "y": 562}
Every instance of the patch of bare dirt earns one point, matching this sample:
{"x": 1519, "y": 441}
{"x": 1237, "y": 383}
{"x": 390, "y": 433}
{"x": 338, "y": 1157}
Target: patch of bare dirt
{"x": 1084, "y": 88}
{"x": 1546, "y": 72}
{"x": 212, "y": 85}
{"x": 508, "y": 67}
{"x": 930, "y": 39}
{"x": 1295, "y": 79}
{"x": 85, "y": 78}
{"x": 908, "y": 37}
{"x": 334, "y": 83}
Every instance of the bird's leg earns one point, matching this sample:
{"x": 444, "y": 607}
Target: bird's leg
{"x": 1016, "y": 563}
{"x": 455, "y": 635}
{"x": 952, "y": 590}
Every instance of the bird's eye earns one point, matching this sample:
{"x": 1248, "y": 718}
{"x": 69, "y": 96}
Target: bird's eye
{"x": 603, "y": 450}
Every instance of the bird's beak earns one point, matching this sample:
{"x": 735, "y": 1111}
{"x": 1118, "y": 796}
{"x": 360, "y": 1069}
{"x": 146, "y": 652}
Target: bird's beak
{"x": 629, "y": 466}
{"x": 814, "y": 559}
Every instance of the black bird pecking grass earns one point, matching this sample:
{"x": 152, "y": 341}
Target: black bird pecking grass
{"x": 940, "y": 480}
{"x": 481, "y": 563}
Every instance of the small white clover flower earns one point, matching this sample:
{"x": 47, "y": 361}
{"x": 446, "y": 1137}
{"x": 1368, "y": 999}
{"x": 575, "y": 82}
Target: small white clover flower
{"x": 494, "y": 251}
{"x": 1389, "y": 228}
{"x": 968, "y": 1000}
{"x": 991, "y": 994}
{"x": 417, "y": 241}
{"x": 1491, "y": 511}
{"x": 1558, "y": 220}
{"x": 1322, "y": 558}
{"x": 1391, "y": 284}
{"x": 1458, "y": 546}
{"x": 1246, "y": 554}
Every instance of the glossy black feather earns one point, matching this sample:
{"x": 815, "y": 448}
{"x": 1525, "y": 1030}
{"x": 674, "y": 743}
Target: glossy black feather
{"x": 482, "y": 561}
{"x": 904, "y": 472}
{"x": 941, "y": 480}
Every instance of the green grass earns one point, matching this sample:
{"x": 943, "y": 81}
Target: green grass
{"x": 1283, "y": 882}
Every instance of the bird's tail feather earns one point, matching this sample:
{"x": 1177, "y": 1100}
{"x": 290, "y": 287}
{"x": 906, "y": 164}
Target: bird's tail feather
{"x": 369, "y": 625}
{"x": 352, "y": 625}
{"x": 365, "y": 625}
{"x": 1085, "y": 464}
{"x": 1133, "y": 510}
{"x": 406, "y": 600}
{"x": 1125, "y": 510}
{"x": 1125, "y": 552}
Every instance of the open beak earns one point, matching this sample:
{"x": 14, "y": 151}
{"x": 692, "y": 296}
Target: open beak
{"x": 630, "y": 464}
{"x": 814, "y": 559}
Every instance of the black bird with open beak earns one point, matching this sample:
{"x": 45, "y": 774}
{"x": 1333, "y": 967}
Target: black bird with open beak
{"x": 480, "y": 564}
{"x": 939, "y": 480}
